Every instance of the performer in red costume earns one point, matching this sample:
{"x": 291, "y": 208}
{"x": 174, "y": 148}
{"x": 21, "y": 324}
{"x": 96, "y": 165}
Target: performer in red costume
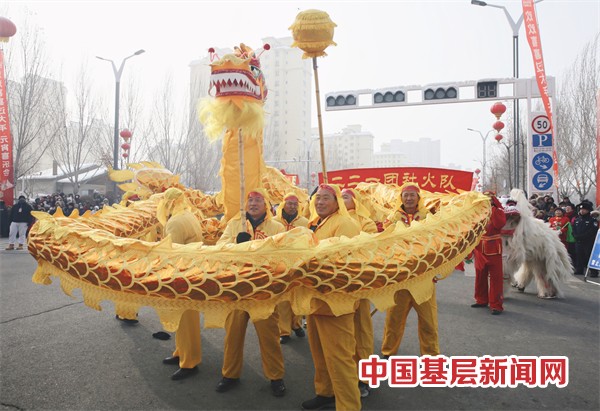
{"x": 488, "y": 261}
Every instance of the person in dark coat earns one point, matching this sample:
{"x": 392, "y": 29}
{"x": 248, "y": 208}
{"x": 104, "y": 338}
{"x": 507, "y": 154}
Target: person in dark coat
{"x": 20, "y": 217}
{"x": 585, "y": 228}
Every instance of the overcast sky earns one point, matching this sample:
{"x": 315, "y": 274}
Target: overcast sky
{"x": 380, "y": 44}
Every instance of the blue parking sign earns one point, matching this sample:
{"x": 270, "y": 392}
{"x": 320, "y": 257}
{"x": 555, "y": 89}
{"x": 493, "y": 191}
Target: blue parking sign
{"x": 542, "y": 140}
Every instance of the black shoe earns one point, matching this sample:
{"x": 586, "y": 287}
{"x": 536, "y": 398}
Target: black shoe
{"x": 521, "y": 289}
{"x": 318, "y": 403}
{"x": 385, "y": 357}
{"x": 278, "y": 388}
{"x": 161, "y": 335}
{"x": 299, "y": 332}
{"x": 126, "y": 320}
{"x": 171, "y": 361}
{"x": 477, "y": 305}
{"x": 284, "y": 339}
{"x": 184, "y": 373}
{"x": 226, "y": 384}
{"x": 365, "y": 390}
{"x": 496, "y": 312}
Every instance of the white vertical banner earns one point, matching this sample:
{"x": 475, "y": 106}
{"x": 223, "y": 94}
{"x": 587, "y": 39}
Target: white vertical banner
{"x": 541, "y": 175}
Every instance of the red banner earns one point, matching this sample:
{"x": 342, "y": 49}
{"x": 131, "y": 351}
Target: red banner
{"x": 439, "y": 180}
{"x": 6, "y": 156}
{"x": 292, "y": 178}
{"x": 598, "y": 148}
{"x": 535, "y": 44}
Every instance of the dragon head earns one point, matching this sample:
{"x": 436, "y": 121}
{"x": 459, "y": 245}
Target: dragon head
{"x": 239, "y": 94}
{"x": 238, "y": 75}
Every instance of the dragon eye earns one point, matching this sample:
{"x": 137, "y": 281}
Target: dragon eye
{"x": 255, "y": 71}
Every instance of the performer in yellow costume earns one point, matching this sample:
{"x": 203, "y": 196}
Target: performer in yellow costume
{"x": 289, "y": 215}
{"x": 363, "y": 325}
{"x": 408, "y": 209}
{"x": 174, "y": 213}
{"x": 259, "y": 225}
{"x": 331, "y": 339}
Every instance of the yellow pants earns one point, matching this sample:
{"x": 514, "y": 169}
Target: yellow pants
{"x": 395, "y": 322}
{"x": 268, "y": 339}
{"x": 287, "y": 320}
{"x": 188, "y": 346}
{"x": 333, "y": 346}
{"x": 363, "y": 331}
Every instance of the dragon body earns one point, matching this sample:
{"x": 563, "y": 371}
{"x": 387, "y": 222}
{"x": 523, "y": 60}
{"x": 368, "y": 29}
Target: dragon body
{"x": 106, "y": 254}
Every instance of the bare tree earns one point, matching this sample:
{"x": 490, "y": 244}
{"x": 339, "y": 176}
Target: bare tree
{"x": 575, "y": 123}
{"x": 574, "y": 116}
{"x": 35, "y": 108}
{"x": 167, "y": 133}
{"x": 72, "y": 148}
{"x": 203, "y": 161}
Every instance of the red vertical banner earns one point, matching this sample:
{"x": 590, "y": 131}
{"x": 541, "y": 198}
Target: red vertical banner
{"x": 598, "y": 148}
{"x": 535, "y": 44}
{"x": 6, "y": 147}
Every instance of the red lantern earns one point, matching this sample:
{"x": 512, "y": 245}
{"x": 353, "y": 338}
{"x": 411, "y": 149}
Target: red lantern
{"x": 498, "y": 126}
{"x": 125, "y": 146}
{"x": 7, "y": 29}
{"x": 498, "y": 109}
{"x": 125, "y": 134}
{"x": 125, "y": 155}
{"x": 477, "y": 171}
{"x": 498, "y": 137}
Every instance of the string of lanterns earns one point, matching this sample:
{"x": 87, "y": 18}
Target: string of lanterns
{"x": 497, "y": 110}
{"x": 126, "y": 136}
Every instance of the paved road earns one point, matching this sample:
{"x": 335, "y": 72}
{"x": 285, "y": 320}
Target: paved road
{"x": 58, "y": 354}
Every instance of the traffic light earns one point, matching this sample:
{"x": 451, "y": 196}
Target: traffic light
{"x": 342, "y": 99}
{"x": 440, "y": 93}
{"x": 391, "y": 96}
{"x": 487, "y": 89}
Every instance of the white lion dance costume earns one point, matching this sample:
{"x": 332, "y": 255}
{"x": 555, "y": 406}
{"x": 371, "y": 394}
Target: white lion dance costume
{"x": 533, "y": 250}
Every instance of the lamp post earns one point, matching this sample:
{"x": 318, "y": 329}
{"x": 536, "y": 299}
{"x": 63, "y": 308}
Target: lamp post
{"x": 515, "y": 26}
{"x": 483, "y": 139}
{"x": 117, "y": 89}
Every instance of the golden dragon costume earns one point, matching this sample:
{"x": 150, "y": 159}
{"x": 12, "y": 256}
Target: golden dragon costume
{"x": 106, "y": 256}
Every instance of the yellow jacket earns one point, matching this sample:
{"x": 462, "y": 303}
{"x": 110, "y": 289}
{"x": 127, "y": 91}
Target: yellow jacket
{"x": 299, "y": 221}
{"x": 184, "y": 228}
{"x": 401, "y": 215}
{"x": 267, "y": 228}
{"x": 335, "y": 225}
{"x": 366, "y": 224}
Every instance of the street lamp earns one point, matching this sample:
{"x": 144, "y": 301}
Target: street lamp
{"x": 483, "y": 139}
{"x": 117, "y": 89}
{"x": 515, "y": 26}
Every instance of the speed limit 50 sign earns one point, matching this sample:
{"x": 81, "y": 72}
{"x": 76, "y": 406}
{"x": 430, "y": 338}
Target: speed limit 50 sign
{"x": 540, "y": 124}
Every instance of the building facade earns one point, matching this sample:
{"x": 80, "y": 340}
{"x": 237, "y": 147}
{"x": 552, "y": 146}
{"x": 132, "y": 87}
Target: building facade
{"x": 288, "y": 105}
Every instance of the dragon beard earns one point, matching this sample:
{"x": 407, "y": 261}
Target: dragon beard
{"x": 231, "y": 113}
